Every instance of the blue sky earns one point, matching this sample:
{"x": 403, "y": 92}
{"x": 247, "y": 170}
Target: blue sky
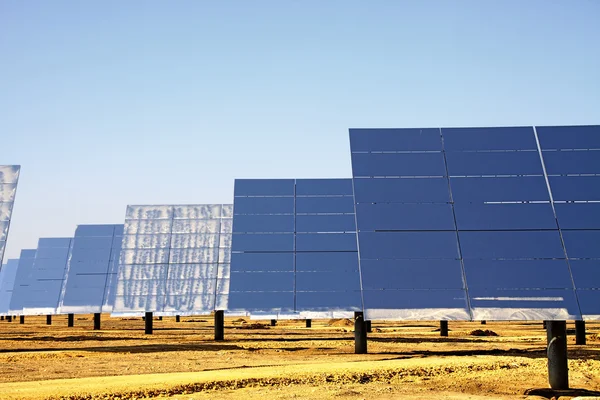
{"x": 111, "y": 103}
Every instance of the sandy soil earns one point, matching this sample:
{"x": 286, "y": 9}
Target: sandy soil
{"x": 181, "y": 361}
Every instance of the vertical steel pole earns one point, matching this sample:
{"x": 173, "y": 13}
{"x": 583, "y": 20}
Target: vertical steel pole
{"x": 558, "y": 369}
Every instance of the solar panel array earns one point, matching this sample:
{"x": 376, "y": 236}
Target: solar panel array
{"x": 7, "y": 281}
{"x": 91, "y": 277}
{"x": 458, "y": 223}
{"x": 47, "y": 276}
{"x": 9, "y": 177}
{"x": 294, "y": 248}
{"x": 174, "y": 260}
{"x": 572, "y": 162}
{"x": 22, "y": 282}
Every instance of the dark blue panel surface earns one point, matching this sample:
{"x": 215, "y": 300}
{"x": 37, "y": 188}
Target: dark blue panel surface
{"x": 94, "y": 230}
{"x": 589, "y": 301}
{"x": 495, "y": 138}
{"x": 312, "y": 205}
{"x": 325, "y": 223}
{"x": 529, "y": 188}
{"x": 322, "y": 261}
{"x": 398, "y": 164}
{"x": 572, "y": 162}
{"x": 261, "y": 301}
{"x": 263, "y": 205}
{"x": 575, "y": 188}
{"x": 428, "y": 139}
{"x": 518, "y": 274}
{"x": 524, "y": 299}
{"x": 586, "y": 273}
{"x": 569, "y": 137}
{"x": 262, "y": 262}
{"x": 399, "y": 190}
{"x": 414, "y": 299}
{"x": 264, "y": 187}
{"x": 119, "y": 229}
{"x": 53, "y": 242}
{"x": 327, "y": 301}
{"x": 261, "y": 282}
{"x": 266, "y": 242}
{"x": 404, "y": 245}
{"x": 97, "y": 255}
{"x": 323, "y": 187}
{"x": 398, "y": 216}
{"x": 263, "y": 223}
{"x": 582, "y": 244}
{"x": 53, "y": 253}
{"x": 496, "y": 163}
{"x": 326, "y": 242}
{"x": 578, "y": 215}
{"x": 327, "y": 281}
{"x": 480, "y": 216}
{"x": 511, "y": 244}
{"x": 411, "y": 274}
{"x": 84, "y": 242}
{"x": 88, "y": 267}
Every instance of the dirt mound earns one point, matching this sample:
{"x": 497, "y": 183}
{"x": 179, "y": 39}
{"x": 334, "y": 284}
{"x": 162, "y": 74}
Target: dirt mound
{"x": 481, "y": 332}
{"x": 340, "y": 322}
{"x": 594, "y": 337}
{"x": 239, "y": 321}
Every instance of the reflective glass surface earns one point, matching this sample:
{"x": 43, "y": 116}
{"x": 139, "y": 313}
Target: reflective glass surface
{"x": 9, "y": 177}
{"x": 175, "y": 260}
{"x": 90, "y": 280}
{"x": 294, "y": 244}
{"x": 517, "y": 214}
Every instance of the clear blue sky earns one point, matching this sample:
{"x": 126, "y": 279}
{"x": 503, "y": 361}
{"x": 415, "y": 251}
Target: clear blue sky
{"x": 110, "y": 103}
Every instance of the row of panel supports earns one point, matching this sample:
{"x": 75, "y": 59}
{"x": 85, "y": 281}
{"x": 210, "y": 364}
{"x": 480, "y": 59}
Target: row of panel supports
{"x": 556, "y": 331}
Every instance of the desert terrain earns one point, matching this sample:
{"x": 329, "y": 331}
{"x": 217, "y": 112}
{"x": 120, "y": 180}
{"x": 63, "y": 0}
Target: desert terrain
{"x": 407, "y": 360}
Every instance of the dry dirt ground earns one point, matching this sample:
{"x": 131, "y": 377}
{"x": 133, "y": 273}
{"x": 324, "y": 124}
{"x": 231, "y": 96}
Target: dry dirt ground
{"x": 256, "y": 361}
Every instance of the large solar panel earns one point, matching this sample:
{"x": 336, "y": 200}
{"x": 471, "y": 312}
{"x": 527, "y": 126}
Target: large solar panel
{"x": 458, "y": 223}
{"x": 91, "y": 277}
{"x": 409, "y": 259}
{"x": 174, "y": 260}
{"x": 9, "y": 177}
{"x": 47, "y": 276}
{"x": 294, "y": 249}
{"x": 572, "y": 160}
{"x": 22, "y": 282}
{"x": 7, "y": 281}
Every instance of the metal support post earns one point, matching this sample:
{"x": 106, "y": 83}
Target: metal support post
{"x": 148, "y": 319}
{"x": 444, "y": 328}
{"x": 97, "y": 321}
{"x": 558, "y": 370}
{"x": 219, "y": 325}
{"x": 360, "y": 333}
{"x": 580, "y": 338}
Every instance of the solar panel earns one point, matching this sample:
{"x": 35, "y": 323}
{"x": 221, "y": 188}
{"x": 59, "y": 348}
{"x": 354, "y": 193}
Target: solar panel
{"x": 9, "y": 177}
{"x": 571, "y": 156}
{"x": 7, "y": 281}
{"x": 405, "y": 223}
{"x": 89, "y": 283}
{"x": 47, "y": 276}
{"x": 294, "y": 249}
{"x": 174, "y": 260}
{"x": 22, "y": 282}
{"x": 470, "y": 243}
